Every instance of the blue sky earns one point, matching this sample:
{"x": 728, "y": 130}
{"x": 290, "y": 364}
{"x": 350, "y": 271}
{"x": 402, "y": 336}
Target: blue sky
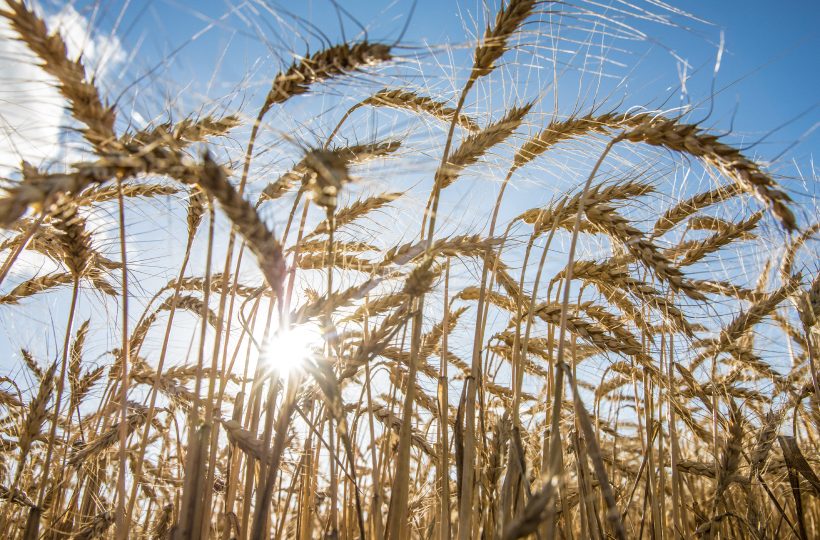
{"x": 768, "y": 75}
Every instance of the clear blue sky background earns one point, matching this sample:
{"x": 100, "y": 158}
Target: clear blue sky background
{"x": 769, "y": 74}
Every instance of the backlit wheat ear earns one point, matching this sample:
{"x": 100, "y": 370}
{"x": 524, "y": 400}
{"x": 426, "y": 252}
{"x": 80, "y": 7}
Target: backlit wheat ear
{"x": 345, "y": 156}
{"x": 411, "y": 101}
{"x": 105, "y": 440}
{"x": 355, "y": 211}
{"x": 575, "y": 127}
{"x": 686, "y": 208}
{"x": 715, "y": 224}
{"x": 109, "y": 193}
{"x": 325, "y": 176}
{"x": 794, "y": 247}
{"x": 188, "y": 303}
{"x": 244, "y": 217}
{"x": 216, "y": 284}
{"x": 41, "y": 189}
{"x": 97, "y": 527}
{"x": 495, "y": 41}
{"x": 690, "y": 139}
{"x": 37, "y": 412}
{"x": 185, "y": 132}
{"x": 73, "y": 82}
{"x": 477, "y": 144}
{"x": 75, "y": 357}
{"x": 641, "y": 248}
{"x": 323, "y": 65}
{"x": 75, "y": 240}
{"x": 562, "y": 213}
{"x": 744, "y": 322}
{"x": 16, "y": 496}
{"x": 730, "y": 453}
{"x": 34, "y": 286}
{"x": 730, "y": 233}
{"x": 162, "y": 526}
{"x": 31, "y": 364}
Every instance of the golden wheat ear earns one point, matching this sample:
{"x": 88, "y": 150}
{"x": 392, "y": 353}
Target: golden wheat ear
{"x": 691, "y": 139}
{"x": 321, "y": 66}
{"x": 73, "y": 82}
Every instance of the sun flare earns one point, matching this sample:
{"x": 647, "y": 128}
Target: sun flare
{"x": 290, "y": 349}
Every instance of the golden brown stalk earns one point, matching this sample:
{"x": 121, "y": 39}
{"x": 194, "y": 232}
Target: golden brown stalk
{"x": 691, "y": 139}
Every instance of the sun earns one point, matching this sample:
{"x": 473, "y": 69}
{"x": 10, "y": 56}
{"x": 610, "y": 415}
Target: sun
{"x": 289, "y": 349}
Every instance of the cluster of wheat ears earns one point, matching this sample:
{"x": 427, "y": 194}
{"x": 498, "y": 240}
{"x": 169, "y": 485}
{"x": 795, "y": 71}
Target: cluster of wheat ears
{"x": 584, "y": 370}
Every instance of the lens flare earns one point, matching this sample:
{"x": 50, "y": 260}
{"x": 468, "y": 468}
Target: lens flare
{"x": 290, "y": 349}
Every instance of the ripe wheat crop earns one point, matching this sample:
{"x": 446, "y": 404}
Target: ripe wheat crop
{"x": 387, "y": 307}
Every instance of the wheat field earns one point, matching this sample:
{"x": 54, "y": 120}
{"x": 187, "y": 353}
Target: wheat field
{"x": 362, "y": 299}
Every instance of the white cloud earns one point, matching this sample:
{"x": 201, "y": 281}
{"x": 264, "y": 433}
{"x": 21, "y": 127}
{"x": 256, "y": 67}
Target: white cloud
{"x": 32, "y": 113}
{"x": 100, "y": 52}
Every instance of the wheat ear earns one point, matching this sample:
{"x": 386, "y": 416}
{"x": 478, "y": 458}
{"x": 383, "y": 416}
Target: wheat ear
{"x": 321, "y": 66}
{"x": 73, "y": 82}
{"x": 691, "y": 139}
